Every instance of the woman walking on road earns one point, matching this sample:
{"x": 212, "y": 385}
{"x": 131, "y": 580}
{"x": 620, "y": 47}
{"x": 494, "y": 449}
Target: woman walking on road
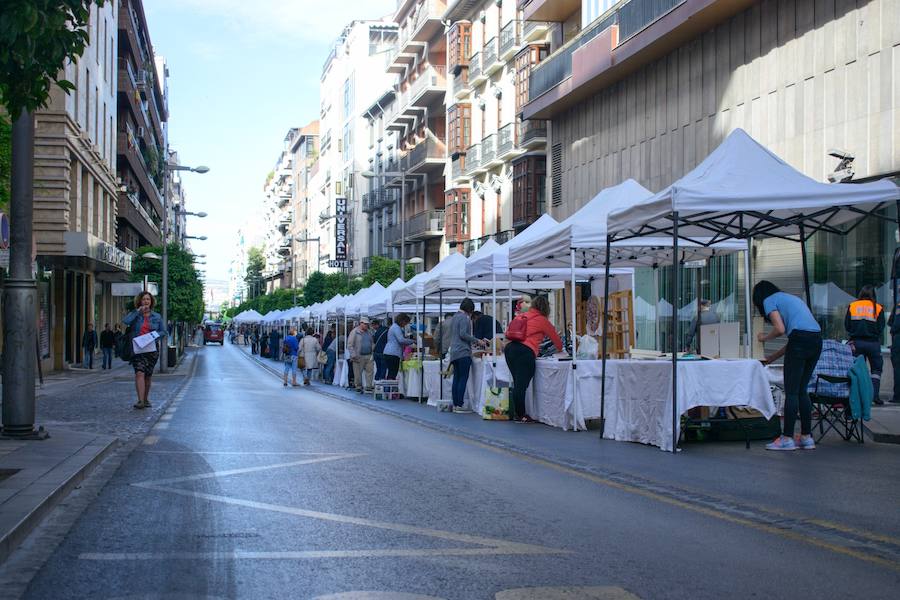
{"x": 864, "y": 323}
{"x": 309, "y": 349}
{"x": 521, "y": 356}
{"x": 396, "y": 342}
{"x": 289, "y": 351}
{"x": 790, "y": 316}
{"x": 143, "y": 319}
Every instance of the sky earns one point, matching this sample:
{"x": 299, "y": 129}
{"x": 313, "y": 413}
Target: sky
{"x": 241, "y": 74}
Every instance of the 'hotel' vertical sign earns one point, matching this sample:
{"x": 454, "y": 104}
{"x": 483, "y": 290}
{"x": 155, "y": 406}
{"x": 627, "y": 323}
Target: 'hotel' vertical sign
{"x": 340, "y": 231}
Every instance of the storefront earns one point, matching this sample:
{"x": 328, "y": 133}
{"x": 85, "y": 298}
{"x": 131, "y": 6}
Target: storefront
{"x": 76, "y": 289}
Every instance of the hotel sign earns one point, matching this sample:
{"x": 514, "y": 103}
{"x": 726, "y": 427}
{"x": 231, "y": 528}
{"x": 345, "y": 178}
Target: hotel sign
{"x": 111, "y": 255}
{"x": 340, "y": 229}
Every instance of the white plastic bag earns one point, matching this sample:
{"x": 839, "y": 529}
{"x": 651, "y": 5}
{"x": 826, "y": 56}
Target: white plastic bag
{"x": 588, "y": 348}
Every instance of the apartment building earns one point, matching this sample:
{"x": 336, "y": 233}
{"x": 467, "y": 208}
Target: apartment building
{"x": 177, "y": 207}
{"x": 407, "y": 133}
{"x": 497, "y": 162}
{"x": 250, "y": 235}
{"x": 352, "y": 77}
{"x": 75, "y": 192}
{"x": 140, "y": 131}
{"x": 305, "y": 245}
{"x": 277, "y": 217}
{"x": 647, "y": 88}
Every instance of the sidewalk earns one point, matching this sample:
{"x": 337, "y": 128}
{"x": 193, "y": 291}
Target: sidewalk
{"x": 88, "y": 414}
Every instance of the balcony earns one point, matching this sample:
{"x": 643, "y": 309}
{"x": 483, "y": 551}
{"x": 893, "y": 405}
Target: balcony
{"x": 510, "y": 42}
{"x": 476, "y": 75}
{"x": 549, "y": 10}
{"x": 368, "y": 199}
{"x": 424, "y": 24}
{"x": 490, "y": 60}
{"x": 428, "y": 155}
{"x": 284, "y": 223}
{"x": 458, "y": 168}
{"x": 460, "y": 86}
{"x": 473, "y": 156}
{"x": 532, "y": 133}
{"x": 631, "y": 36}
{"x": 425, "y": 225}
{"x": 489, "y": 153}
{"x": 507, "y": 142}
{"x": 429, "y": 86}
{"x": 533, "y": 31}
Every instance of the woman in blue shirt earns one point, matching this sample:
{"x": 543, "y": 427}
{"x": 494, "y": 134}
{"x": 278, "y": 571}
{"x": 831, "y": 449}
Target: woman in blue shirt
{"x": 790, "y": 316}
{"x": 396, "y": 342}
{"x": 143, "y": 319}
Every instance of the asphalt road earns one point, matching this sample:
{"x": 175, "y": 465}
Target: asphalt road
{"x": 246, "y": 489}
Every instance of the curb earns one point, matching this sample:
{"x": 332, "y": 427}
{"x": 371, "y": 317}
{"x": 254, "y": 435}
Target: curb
{"x": 13, "y": 538}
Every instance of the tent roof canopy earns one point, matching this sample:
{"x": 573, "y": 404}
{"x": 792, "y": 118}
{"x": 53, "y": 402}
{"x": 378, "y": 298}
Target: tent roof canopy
{"x": 743, "y": 190}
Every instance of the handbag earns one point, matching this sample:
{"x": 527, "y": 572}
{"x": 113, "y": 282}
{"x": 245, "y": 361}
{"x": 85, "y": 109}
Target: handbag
{"x": 126, "y": 345}
{"x": 322, "y": 357}
{"x": 518, "y": 329}
{"x": 301, "y": 362}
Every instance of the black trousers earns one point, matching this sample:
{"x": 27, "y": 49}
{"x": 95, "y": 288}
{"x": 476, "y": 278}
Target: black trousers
{"x": 871, "y": 349}
{"x": 393, "y": 365}
{"x": 520, "y": 360}
{"x": 895, "y": 363}
{"x": 800, "y": 358}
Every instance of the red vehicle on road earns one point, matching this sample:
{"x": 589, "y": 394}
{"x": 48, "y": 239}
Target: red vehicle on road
{"x": 213, "y": 332}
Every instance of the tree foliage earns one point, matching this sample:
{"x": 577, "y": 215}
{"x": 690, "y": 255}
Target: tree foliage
{"x": 256, "y": 263}
{"x": 185, "y": 288}
{"x": 282, "y": 299}
{"x": 5, "y": 162}
{"x": 36, "y": 39}
{"x": 385, "y": 271}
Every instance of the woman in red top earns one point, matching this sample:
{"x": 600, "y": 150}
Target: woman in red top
{"x": 520, "y": 356}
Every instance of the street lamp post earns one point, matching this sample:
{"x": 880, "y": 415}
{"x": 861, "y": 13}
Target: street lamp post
{"x": 402, "y": 176}
{"x": 169, "y": 167}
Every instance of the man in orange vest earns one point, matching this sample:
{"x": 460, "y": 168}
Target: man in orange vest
{"x": 864, "y": 323}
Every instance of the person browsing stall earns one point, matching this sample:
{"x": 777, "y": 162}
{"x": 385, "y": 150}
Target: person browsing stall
{"x": 790, "y": 316}
{"x": 864, "y": 323}
{"x": 396, "y": 342}
{"x": 461, "y": 341}
{"x": 521, "y": 355}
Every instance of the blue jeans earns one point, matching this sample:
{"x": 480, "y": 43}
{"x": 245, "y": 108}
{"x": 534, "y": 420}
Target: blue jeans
{"x": 88, "y": 362}
{"x": 461, "y": 368}
{"x": 380, "y": 367}
{"x": 290, "y": 366}
{"x": 107, "y": 357}
{"x": 328, "y": 371}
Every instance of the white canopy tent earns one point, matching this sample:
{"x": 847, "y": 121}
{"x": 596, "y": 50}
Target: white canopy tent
{"x": 414, "y": 290}
{"x": 248, "y": 317}
{"x": 741, "y": 191}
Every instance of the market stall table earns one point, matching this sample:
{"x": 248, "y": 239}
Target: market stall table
{"x": 639, "y": 394}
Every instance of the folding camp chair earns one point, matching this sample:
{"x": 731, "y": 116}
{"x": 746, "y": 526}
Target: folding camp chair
{"x": 829, "y": 391}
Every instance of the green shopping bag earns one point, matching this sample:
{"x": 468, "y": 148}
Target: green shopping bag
{"x": 496, "y": 404}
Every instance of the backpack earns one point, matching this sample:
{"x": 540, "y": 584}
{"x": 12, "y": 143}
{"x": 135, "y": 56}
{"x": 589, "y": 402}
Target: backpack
{"x": 517, "y": 329}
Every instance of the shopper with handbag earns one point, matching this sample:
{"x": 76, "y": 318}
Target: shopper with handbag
{"x": 290, "y": 348}
{"x": 309, "y": 352}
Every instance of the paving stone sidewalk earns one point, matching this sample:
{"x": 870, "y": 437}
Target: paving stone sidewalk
{"x": 88, "y": 414}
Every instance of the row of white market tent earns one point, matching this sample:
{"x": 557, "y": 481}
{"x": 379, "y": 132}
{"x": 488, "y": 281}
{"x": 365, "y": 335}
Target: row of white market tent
{"x": 739, "y": 193}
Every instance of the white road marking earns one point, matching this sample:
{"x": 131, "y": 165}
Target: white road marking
{"x": 567, "y": 593}
{"x": 301, "y": 555}
{"x": 160, "y": 426}
{"x": 150, "y": 440}
{"x": 166, "y": 417}
{"x": 235, "y": 453}
{"x": 156, "y": 483}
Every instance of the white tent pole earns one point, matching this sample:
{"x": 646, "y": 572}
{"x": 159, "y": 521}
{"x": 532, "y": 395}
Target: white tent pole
{"x": 676, "y": 281}
{"x": 510, "y": 296}
{"x": 748, "y": 341}
{"x": 574, "y": 341}
{"x": 494, "y": 317}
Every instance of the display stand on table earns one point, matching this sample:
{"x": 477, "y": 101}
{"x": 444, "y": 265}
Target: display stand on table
{"x": 620, "y": 324}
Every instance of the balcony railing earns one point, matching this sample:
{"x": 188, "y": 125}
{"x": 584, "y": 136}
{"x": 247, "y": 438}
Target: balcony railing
{"x": 426, "y": 224}
{"x": 509, "y": 39}
{"x": 631, "y": 18}
{"x": 507, "y": 140}
{"x": 473, "y": 156}
{"x": 429, "y": 10}
{"x": 475, "y": 73}
{"x": 533, "y": 30}
{"x": 435, "y": 76}
{"x": 532, "y": 132}
{"x": 426, "y": 151}
{"x": 488, "y": 150}
{"x": 461, "y": 84}
{"x": 458, "y": 167}
{"x": 489, "y": 60}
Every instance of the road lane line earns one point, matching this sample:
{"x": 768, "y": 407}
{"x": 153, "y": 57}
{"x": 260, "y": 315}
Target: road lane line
{"x": 235, "y": 453}
{"x": 307, "y": 554}
{"x": 162, "y": 482}
{"x": 150, "y": 440}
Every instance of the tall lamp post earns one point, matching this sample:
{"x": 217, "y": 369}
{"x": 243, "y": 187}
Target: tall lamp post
{"x": 402, "y": 175}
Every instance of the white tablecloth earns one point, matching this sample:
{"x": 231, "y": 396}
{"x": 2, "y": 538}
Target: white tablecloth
{"x": 554, "y": 403}
{"x": 341, "y": 373}
{"x": 639, "y": 394}
{"x": 411, "y": 383}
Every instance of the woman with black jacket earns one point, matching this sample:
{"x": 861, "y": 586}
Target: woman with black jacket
{"x": 864, "y": 323}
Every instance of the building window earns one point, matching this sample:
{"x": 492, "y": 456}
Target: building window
{"x": 525, "y": 60}
{"x": 347, "y": 145}
{"x": 529, "y": 190}
{"x": 456, "y": 215}
{"x": 460, "y": 45}
{"x": 348, "y": 97}
{"x": 459, "y": 128}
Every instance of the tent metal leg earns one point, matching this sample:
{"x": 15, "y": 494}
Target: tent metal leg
{"x": 805, "y": 267}
{"x": 440, "y": 344}
{"x": 748, "y": 308}
{"x": 676, "y": 281}
{"x": 604, "y": 342}
{"x": 574, "y": 342}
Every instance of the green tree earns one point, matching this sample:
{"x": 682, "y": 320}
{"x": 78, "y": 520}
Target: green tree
{"x": 385, "y": 271}
{"x": 256, "y": 262}
{"x": 36, "y": 39}
{"x": 185, "y": 287}
{"x": 315, "y": 289}
{"x": 5, "y": 162}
